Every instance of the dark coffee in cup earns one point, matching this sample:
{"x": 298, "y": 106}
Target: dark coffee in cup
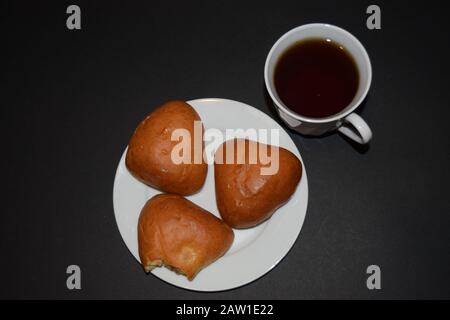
{"x": 316, "y": 77}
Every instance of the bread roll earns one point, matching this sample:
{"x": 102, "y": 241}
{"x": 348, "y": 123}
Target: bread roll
{"x": 150, "y": 149}
{"x": 177, "y": 233}
{"x": 245, "y": 197}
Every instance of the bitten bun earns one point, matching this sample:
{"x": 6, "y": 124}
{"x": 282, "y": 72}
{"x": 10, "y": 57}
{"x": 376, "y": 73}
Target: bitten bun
{"x": 245, "y": 197}
{"x": 149, "y": 155}
{"x": 176, "y": 233}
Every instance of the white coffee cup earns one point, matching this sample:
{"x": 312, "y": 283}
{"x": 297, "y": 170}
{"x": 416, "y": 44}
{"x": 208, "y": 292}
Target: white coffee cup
{"x": 346, "y": 121}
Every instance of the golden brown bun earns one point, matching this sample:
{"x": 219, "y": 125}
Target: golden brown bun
{"x": 179, "y": 234}
{"x": 244, "y": 196}
{"x": 149, "y": 151}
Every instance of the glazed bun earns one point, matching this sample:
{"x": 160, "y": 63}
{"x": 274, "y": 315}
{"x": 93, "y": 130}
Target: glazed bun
{"x": 149, "y": 155}
{"x": 245, "y": 196}
{"x": 176, "y": 233}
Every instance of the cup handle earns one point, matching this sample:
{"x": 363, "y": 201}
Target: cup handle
{"x": 363, "y": 135}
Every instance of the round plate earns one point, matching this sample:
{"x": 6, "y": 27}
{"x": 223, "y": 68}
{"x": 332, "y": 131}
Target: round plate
{"x": 255, "y": 251}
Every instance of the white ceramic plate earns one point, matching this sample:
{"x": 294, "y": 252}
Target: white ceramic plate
{"x": 254, "y": 251}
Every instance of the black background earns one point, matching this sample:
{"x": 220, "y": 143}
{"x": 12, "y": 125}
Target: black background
{"x": 71, "y": 99}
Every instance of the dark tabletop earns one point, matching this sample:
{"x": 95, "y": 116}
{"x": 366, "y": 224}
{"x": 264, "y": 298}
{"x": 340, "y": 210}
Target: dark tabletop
{"x": 71, "y": 99}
